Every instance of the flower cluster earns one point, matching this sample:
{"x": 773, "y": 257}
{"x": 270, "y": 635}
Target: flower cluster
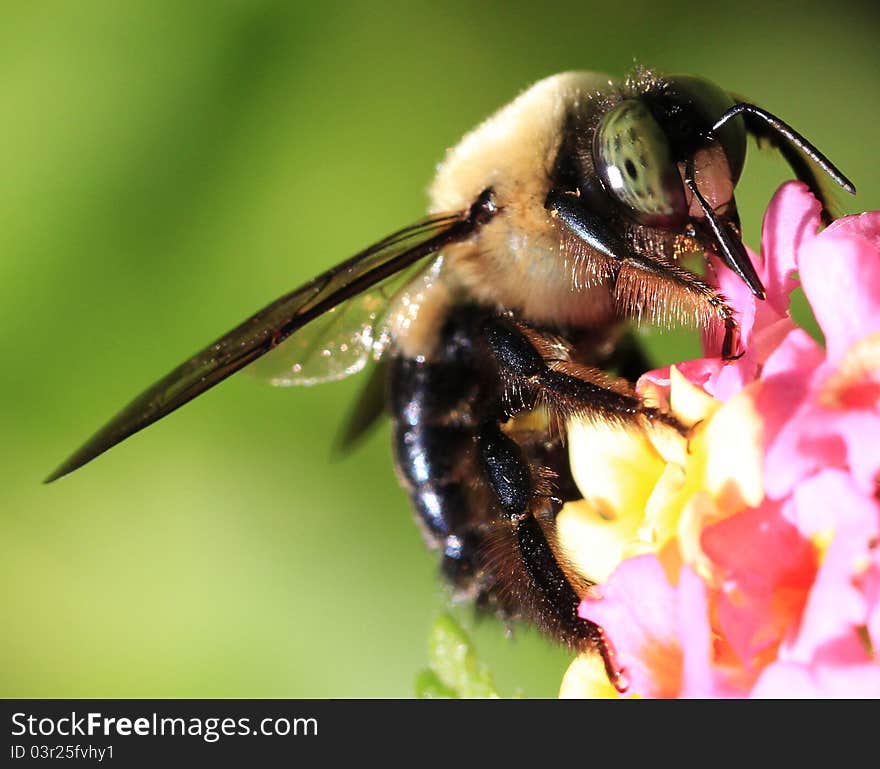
{"x": 744, "y": 559}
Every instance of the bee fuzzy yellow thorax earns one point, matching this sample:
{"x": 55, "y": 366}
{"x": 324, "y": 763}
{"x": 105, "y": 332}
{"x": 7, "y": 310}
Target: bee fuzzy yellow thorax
{"x": 518, "y": 261}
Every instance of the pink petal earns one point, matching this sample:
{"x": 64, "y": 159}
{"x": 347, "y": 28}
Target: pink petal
{"x": 836, "y": 608}
{"x": 638, "y": 613}
{"x": 661, "y": 634}
{"x": 699, "y": 679}
{"x": 781, "y": 393}
{"x": 803, "y": 436}
{"x": 738, "y": 295}
{"x": 805, "y": 444}
{"x": 872, "y": 597}
{"x": 791, "y": 221}
{"x": 720, "y": 380}
{"x": 766, "y": 569}
{"x": 840, "y": 272}
{"x": 864, "y": 226}
{"x": 700, "y": 371}
{"x": 796, "y": 353}
{"x": 827, "y": 502}
{"x": 728, "y": 379}
{"x": 860, "y": 430}
{"x": 793, "y": 680}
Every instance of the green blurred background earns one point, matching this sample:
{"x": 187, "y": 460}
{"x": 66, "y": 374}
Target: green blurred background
{"x": 168, "y": 167}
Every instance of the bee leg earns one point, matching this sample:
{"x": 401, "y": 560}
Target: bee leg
{"x": 535, "y": 370}
{"x": 533, "y": 376}
{"x": 640, "y": 281}
{"x": 543, "y": 591}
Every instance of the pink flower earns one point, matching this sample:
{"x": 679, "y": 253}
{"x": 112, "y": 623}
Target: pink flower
{"x": 755, "y": 567}
{"x": 833, "y": 418}
{"x": 661, "y": 630}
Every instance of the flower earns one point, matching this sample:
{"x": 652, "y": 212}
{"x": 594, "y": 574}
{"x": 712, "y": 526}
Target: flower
{"x": 744, "y": 558}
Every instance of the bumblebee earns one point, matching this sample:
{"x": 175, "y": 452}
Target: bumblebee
{"x": 495, "y": 319}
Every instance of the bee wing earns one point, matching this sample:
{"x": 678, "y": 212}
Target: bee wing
{"x": 343, "y": 340}
{"x": 276, "y": 322}
{"x": 331, "y": 347}
{"x": 365, "y": 412}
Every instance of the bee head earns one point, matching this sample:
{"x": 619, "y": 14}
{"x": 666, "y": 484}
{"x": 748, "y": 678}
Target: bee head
{"x": 648, "y": 145}
{"x": 671, "y": 154}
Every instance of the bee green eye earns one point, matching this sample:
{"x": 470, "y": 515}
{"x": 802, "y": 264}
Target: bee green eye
{"x": 634, "y": 160}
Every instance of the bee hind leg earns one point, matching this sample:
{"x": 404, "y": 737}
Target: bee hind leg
{"x": 534, "y": 370}
{"x": 536, "y": 580}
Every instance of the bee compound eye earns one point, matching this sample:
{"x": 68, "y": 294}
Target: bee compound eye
{"x": 634, "y": 160}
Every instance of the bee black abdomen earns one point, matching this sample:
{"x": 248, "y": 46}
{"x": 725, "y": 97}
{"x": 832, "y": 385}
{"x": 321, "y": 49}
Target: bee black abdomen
{"x": 485, "y": 489}
{"x": 431, "y": 453}
{"x": 451, "y": 458}
{"x": 437, "y": 407}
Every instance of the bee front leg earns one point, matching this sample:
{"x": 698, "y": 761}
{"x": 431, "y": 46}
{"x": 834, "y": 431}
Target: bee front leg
{"x": 642, "y": 283}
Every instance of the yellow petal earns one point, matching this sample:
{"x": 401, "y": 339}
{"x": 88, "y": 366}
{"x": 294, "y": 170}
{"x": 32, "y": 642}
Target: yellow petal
{"x": 586, "y": 679}
{"x": 690, "y": 404}
{"x": 698, "y": 512}
{"x": 732, "y": 441}
{"x": 614, "y": 466}
{"x": 663, "y": 507}
{"x": 670, "y": 444}
{"x": 592, "y": 544}
{"x": 822, "y": 541}
{"x": 648, "y": 489}
{"x": 616, "y": 469}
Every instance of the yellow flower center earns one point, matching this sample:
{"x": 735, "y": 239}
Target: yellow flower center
{"x": 648, "y": 489}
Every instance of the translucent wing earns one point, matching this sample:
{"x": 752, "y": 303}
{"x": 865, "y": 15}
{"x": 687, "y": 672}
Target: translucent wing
{"x": 332, "y": 347}
{"x": 344, "y": 339}
{"x": 276, "y": 322}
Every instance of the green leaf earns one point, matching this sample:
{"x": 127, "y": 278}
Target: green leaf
{"x": 455, "y": 671}
{"x": 430, "y": 687}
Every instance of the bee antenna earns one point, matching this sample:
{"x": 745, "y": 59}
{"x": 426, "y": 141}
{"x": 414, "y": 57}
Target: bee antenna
{"x": 732, "y": 252}
{"x": 783, "y": 129}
